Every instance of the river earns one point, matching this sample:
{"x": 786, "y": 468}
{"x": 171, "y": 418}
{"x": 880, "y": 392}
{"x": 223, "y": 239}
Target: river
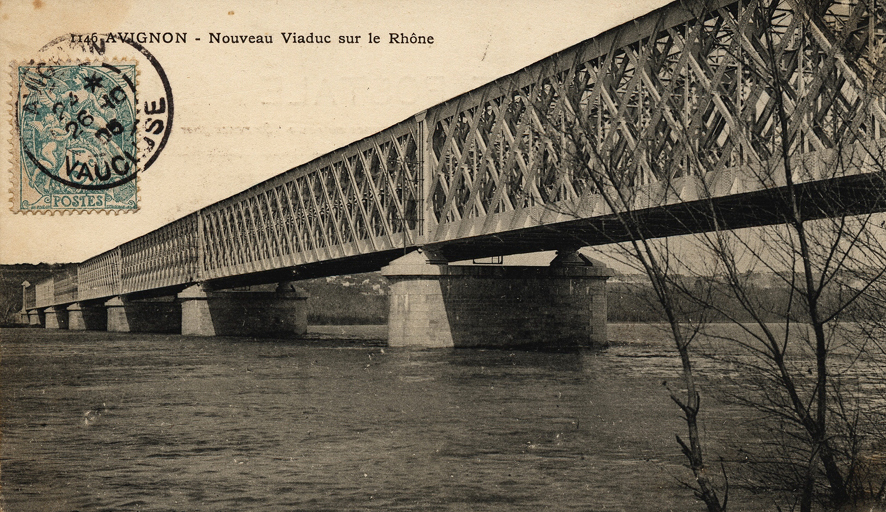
{"x": 337, "y": 421}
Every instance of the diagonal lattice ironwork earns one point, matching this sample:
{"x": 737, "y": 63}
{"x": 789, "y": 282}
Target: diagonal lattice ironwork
{"x": 29, "y": 299}
{"x": 99, "y": 276}
{"x": 164, "y": 257}
{"x": 65, "y": 285}
{"x": 684, "y": 93}
{"x": 678, "y": 104}
{"x": 45, "y": 293}
{"x": 358, "y": 200}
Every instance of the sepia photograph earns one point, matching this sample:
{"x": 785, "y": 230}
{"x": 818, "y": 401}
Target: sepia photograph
{"x": 443, "y": 255}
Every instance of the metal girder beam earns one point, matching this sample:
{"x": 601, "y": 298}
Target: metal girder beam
{"x": 859, "y": 194}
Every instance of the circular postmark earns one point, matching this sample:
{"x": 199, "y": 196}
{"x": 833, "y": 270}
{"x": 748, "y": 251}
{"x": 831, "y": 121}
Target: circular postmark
{"x": 77, "y": 125}
{"x": 154, "y": 112}
{"x": 92, "y": 113}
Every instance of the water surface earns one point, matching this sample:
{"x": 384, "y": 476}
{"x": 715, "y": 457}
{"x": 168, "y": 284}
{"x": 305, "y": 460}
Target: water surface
{"x": 106, "y": 421}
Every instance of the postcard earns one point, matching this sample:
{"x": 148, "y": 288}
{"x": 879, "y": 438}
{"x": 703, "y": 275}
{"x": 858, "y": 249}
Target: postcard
{"x": 266, "y": 240}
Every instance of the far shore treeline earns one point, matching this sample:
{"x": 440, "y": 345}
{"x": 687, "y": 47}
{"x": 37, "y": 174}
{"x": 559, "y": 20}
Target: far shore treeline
{"x": 362, "y": 298}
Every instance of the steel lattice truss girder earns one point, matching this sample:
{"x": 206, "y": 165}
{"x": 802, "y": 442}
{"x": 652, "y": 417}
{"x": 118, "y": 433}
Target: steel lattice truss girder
{"x": 361, "y": 199}
{"x": 681, "y": 104}
{"x": 683, "y": 92}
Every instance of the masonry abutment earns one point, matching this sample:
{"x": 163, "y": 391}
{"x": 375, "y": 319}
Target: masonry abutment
{"x": 87, "y": 317}
{"x": 234, "y": 313}
{"x": 154, "y": 315}
{"x": 434, "y": 304}
{"x": 22, "y": 317}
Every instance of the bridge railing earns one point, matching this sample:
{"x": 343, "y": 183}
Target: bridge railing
{"x": 359, "y": 199}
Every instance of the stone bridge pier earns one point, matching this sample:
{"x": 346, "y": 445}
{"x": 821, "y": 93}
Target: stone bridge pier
{"x": 236, "y": 313}
{"x": 36, "y": 318}
{"x": 435, "y": 304}
{"x": 56, "y": 317}
{"x": 195, "y": 311}
{"x": 200, "y": 311}
{"x": 87, "y": 316}
{"x": 161, "y": 315}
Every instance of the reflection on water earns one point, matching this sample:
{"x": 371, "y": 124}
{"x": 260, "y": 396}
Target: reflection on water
{"x": 104, "y": 421}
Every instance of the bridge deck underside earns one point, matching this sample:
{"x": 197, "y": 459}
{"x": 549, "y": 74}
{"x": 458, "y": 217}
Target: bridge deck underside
{"x": 860, "y": 194}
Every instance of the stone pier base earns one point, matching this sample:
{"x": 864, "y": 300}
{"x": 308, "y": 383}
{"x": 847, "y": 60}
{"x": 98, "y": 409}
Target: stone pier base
{"x": 157, "y": 315}
{"x": 437, "y": 305}
{"x": 56, "y": 317}
{"x": 225, "y": 313}
{"x": 87, "y": 317}
{"x": 36, "y": 317}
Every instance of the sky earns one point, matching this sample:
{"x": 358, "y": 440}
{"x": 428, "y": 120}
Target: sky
{"x": 247, "y": 112}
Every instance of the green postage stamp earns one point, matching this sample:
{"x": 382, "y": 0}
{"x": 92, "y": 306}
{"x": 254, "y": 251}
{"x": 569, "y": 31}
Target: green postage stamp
{"x": 75, "y": 137}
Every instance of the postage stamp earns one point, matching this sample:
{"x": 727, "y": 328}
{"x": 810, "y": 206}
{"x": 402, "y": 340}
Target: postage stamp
{"x": 75, "y": 136}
